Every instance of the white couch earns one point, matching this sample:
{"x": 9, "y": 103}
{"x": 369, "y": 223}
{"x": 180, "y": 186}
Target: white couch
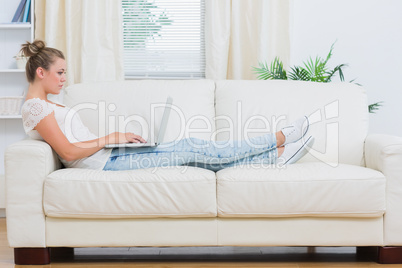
{"x": 346, "y": 192}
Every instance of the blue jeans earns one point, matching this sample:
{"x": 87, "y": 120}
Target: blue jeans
{"x": 213, "y": 155}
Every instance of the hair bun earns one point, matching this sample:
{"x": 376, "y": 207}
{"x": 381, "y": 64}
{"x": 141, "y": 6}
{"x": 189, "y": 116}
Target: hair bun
{"x": 31, "y": 49}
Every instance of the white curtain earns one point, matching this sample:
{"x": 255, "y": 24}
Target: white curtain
{"x": 89, "y": 32}
{"x": 241, "y": 33}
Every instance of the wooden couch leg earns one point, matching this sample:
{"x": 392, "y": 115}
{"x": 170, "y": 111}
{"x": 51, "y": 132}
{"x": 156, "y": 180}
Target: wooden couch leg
{"x": 31, "y": 256}
{"x": 389, "y": 255}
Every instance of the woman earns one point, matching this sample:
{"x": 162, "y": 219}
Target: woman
{"x": 76, "y": 146}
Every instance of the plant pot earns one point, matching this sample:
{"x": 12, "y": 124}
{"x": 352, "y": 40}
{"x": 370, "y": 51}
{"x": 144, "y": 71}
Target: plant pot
{"x": 21, "y": 61}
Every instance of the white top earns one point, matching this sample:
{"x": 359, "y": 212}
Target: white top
{"x": 34, "y": 110}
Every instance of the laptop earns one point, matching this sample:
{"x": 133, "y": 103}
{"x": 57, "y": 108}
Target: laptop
{"x": 161, "y": 134}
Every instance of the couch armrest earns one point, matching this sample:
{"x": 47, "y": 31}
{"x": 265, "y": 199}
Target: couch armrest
{"x": 27, "y": 163}
{"x": 384, "y": 153}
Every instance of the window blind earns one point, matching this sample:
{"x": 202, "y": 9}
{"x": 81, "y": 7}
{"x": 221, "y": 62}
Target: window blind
{"x": 164, "y": 38}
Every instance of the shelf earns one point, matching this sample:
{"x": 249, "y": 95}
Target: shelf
{"x": 15, "y": 25}
{"x": 17, "y": 116}
{"x": 12, "y": 70}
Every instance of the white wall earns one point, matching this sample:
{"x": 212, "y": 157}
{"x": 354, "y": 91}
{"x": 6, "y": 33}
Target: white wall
{"x": 369, "y": 40}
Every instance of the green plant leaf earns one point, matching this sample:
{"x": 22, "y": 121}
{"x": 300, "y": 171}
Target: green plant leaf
{"x": 337, "y": 69}
{"x": 315, "y": 70}
{"x": 329, "y": 53}
{"x": 262, "y": 71}
{"x": 372, "y": 108}
{"x": 299, "y": 73}
{"x": 274, "y": 71}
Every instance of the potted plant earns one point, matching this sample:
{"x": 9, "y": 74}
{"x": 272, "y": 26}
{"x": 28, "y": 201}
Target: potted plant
{"x": 315, "y": 70}
{"x": 21, "y": 60}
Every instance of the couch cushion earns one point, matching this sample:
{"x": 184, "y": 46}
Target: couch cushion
{"x": 249, "y": 108}
{"x": 162, "y": 192}
{"x": 305, "y": 189}
{"x": 137, "y": 106}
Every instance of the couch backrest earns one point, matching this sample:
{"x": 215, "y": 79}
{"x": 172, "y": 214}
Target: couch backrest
{"x": 230, "y": 109}
{"x": 104, "y": 106}
{"x": 338, "y": 113}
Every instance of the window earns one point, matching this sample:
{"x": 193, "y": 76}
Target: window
{"x": 164, "y": 38}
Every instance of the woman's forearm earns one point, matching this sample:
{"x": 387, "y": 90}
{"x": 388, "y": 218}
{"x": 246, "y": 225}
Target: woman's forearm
{"x": 83, "y": 149}
{"x": 100, "y": 142}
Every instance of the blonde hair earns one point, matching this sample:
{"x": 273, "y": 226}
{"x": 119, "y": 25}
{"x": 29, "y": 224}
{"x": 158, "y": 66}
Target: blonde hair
{"x": 39, "y": 56}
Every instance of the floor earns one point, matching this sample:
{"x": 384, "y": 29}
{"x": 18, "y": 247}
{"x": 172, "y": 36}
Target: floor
{"x": 204, "y": 257}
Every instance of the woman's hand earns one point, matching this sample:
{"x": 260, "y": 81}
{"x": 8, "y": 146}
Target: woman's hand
{"x": 120, "y": 137}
